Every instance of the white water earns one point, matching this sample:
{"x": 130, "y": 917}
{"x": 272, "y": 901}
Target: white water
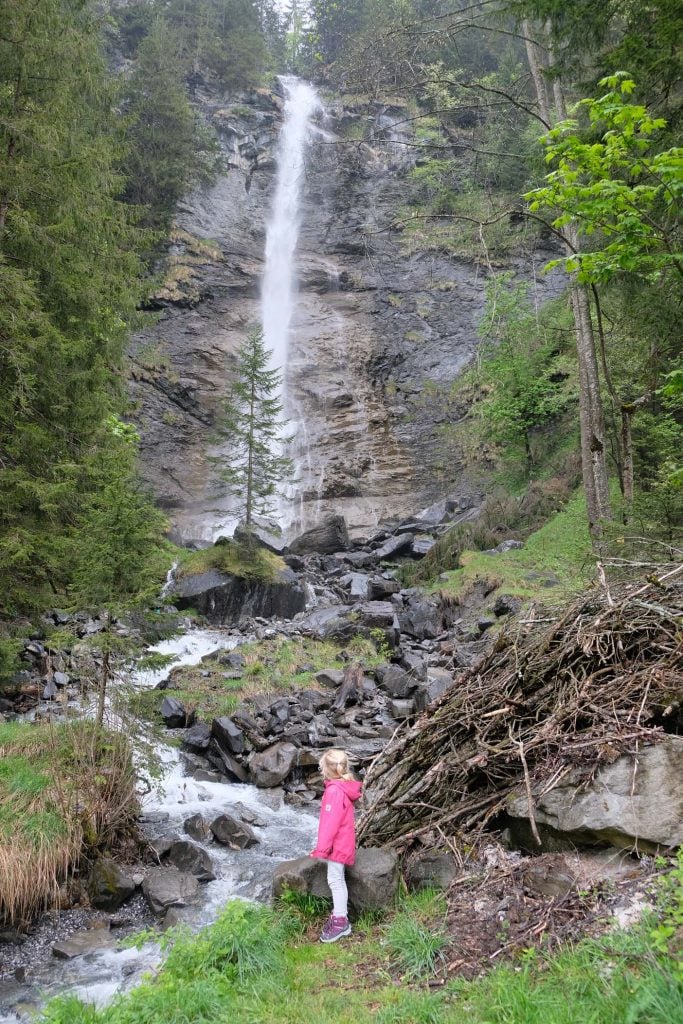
{"x": 279, "y": 278}
{"x": 247, "y": 874}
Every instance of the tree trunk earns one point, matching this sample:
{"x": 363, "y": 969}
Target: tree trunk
{"x": 591, "y": 418}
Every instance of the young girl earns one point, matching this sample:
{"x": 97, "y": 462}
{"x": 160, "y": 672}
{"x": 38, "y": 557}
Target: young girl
{"x": 337, "y": 837}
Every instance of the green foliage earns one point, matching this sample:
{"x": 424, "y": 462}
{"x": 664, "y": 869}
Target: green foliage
{"x": 70, "y": 281}
{"x": 667, "y": 935}
{"x": 252, "y": 423}
{"x": 308, "y": 907}
{"x": 246, "y": 561}
{"x": 523, "y": 374}
{"x": 612, "y": 181}
{"x": 416, "y": 950}
{"x": 167, "y": 147}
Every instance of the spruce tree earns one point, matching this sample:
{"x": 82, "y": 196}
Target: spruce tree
{"x": 253, "y": 427}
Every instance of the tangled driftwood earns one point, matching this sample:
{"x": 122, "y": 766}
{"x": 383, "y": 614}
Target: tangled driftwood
{"x": 605, "y": 677}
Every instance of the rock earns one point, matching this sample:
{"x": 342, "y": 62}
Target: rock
{"x": 173, "y": 713}
{"x": 109, "y": 884}
{"x": 197, "y": 826}
{"x": 485, "y": 623}
{"x": 331, "y": 677}
{"x": 413, "y": 663}
{"x": 394, "y": 680}
{"x": 549, "y": 876}
{"x": 201, "y": 775}
{"x": 197, "y": 738}
{"x": 226, "y": 599}
{"x": 505, "y": 604}
{"x": 394, "y": 546}
{"x": 438, "y": 681}
{"x": 356, "y": 584}
{"x": 231, "y": 832}
{"x": 251, "y": 817}
{"x": 61, "y": 679}
{"x": 372, "y": 881}
{"x": 264, "y": 533}
{"x": 420, "y": 619}
{"x": 503, "y": 547}
{"x": 227, "y": 764}
{"x": 400, "y": 709}
{"x": 619, "y": 807}
{"x": 228, "y": 735}
{"x": 330, "y": 624}
{"x": 431, "y": 871}
{"x": 421, "y": 546}
{"x": 168, "y": 887}
{"x": 86, "y": 940}
{"x": 327, "y": 537}
{"x": 50, "y": 690}
{"x": 380, "y": 587}
{"x": 189, "y": 857}
{"x": 376, "y": 614}
{"x": 271, "y": 767}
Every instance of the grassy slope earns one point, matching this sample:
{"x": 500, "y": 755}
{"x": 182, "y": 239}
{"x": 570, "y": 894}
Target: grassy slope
{"x": 262, "y": 966}
{"x": 236, "y": 560}
{"x": 554, "y": 564}
{"x": 272, "y": 667}
{"x": 61, "y": 792}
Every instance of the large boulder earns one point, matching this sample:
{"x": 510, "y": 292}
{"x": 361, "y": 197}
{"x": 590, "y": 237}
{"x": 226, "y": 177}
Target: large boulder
{"x": 330, "y": 623}
{"x": 225, "y": 599}
{"x": 395, "y": 681}
{"x": 169, "y": 887}
{"x": 228, "y": 735}
{"x": 109, "y": 884}
{"x": 197, "y": 739}
{"x": 173, "y": 713}
{"x": 625, "y": 805}
{"x": 271, "y": 767}
{"x": 234, "y": 833}
{"x": 394, "y": 546}
{"x": 188, "y": 856}
{"x": 324, "y": 539}
{"x": 372, "y": 881}
{"x": 422, "y": 618}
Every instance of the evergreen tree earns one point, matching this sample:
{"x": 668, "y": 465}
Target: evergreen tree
{"x": 163, "y": 156}
{"x": 253, "y": 426}
{"x": 69, "y": 285}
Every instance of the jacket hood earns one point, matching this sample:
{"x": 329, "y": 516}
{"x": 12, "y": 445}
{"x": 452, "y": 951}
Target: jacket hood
{"x": 351, "y": 787}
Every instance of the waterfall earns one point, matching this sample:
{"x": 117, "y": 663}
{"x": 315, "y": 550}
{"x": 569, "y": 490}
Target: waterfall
{"x": 279, "y": 279}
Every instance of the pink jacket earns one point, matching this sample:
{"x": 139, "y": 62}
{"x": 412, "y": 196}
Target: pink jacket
{"x": 336, "y": 829}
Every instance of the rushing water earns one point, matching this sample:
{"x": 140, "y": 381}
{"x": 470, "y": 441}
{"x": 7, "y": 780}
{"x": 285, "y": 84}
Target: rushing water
{"x": 279, "y": 277}
{"x": 288, "y": 832}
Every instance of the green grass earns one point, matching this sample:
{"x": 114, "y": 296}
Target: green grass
{"x": 272, "y": 667}
{"x": 555, "y": 562}
{"x": 254, "y": 965}
{"x": 56, "y": 803}
{"x": 235, "y": 559}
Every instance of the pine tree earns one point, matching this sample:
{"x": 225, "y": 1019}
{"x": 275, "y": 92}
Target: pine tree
{"x": 253, "y": 426}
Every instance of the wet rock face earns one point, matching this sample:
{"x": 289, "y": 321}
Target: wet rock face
{"x": 375, "y": 329}
{"x": 226, "y": 599}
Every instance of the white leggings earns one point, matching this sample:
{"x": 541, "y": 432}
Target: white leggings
{"x": 337, "y": 884}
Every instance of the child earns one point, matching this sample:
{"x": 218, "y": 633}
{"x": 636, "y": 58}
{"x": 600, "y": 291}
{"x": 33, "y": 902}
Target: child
{"x": 337, "y": 837}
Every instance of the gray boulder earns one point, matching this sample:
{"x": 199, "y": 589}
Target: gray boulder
{"x": 394, "y": 546}
{"x": 187, "y": 856}
{"x": 376, "y": 614}
{"x": 168, "y": 887}
{"x": 395, "y": 681}
{"x": 431, "y": 871}
{"x": 109, "y": 884}
{"x": 225, "y": 599}
{"x": 196, "y": 739}
{"x": 230, "y": 832}
{"x": 326, "y": 538}
{"x": 197, "y": 826}
{"x": 87, "y": 940}
{"x": 271, "y": 767}
{"x": 173, "y": 713}
{"x": 422, "y": 619}
{"x": 620, "y": 807}
{"x": 438, "y": 681}
{"x": 372, "y": 881}
{"x": 228, "y": 735}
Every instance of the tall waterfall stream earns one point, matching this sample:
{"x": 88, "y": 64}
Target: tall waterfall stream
{"x": 289, "y": 832}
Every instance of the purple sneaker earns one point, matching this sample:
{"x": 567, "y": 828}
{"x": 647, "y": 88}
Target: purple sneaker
{"x": 335, "y": 928}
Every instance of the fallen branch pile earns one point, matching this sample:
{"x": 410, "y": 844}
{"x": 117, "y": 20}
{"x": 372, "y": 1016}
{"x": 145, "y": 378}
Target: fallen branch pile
{"x": 602, "y": 680}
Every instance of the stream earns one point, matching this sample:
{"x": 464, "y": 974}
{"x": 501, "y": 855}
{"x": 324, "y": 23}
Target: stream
{"x": 247, "y": 874}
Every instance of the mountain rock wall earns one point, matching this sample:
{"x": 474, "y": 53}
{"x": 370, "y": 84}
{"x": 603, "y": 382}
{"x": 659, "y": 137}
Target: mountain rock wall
{"x": 376, "y": 332}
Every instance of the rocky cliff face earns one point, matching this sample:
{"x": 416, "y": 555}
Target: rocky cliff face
{"x": 374, "y": 331}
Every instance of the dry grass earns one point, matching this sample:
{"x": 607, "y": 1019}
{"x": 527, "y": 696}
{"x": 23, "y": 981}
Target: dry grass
{"x": 65, "y": 792}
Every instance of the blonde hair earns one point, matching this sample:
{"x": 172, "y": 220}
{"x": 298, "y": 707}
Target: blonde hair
{"x": 334, "y": 764}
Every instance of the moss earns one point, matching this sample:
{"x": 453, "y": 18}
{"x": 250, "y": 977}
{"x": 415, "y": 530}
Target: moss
{"x": 235, "y": 559}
